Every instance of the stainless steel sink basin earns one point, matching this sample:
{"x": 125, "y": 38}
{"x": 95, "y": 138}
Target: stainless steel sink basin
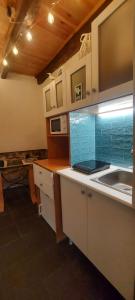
{"x": 119, "y": 180}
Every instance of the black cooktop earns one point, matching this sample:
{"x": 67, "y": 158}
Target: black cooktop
{"x": 91, "y": 166}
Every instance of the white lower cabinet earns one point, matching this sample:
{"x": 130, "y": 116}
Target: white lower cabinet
{"x": 44, "y": 180}
{"x": 111, "y": 242}
{"x": 47, "y": 210}
{"x": 74, "y": 213}
{"x": 104, "y": 230}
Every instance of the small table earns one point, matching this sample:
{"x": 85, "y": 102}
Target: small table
{"x": 33, "y": 190}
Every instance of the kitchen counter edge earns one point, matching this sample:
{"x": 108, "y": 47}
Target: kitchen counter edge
{"x": 107, "y": 191}
{"x": 52, "y": 165}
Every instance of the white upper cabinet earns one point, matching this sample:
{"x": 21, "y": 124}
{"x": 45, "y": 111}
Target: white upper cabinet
{"x": 54, "y": 96}
{"x": 48, "y": 98}
{"x": 60, "y": 91}
{"x": 103, "y": 74}
{"x": 78, "y": 78}
{"x": 112, "y": 51}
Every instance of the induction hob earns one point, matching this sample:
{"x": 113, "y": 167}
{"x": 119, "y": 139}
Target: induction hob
{"x": 91, "y": 166}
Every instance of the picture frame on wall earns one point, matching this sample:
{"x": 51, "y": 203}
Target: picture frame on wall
{"x": 78, "y": 92}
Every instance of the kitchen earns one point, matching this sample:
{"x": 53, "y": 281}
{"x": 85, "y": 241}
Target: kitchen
{"x": 74, "y": 150}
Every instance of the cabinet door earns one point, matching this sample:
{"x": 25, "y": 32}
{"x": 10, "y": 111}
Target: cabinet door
{"x": 111, "y": 241}
{"x": 48, "y": 98}
{"x": 48, "y": 210}
{"x": 112, "y": 49}
{"x": 60, "y": 91}
{"x": 74, "y": 213}
{"x": 79, "y": 83}
{"x": 54, "y": 96}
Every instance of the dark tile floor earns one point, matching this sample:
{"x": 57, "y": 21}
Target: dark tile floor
{"x": 34, "y": 267}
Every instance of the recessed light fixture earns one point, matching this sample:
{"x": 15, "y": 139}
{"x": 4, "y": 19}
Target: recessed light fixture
{"x": 15, "y": 50}
{"x": 29, "y": 36}
{"x": 50, "y": 18}
{"x": 5, "y": 62}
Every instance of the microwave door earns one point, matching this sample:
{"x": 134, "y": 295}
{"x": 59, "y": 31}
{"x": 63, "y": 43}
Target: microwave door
{"x": 56, "y": 126}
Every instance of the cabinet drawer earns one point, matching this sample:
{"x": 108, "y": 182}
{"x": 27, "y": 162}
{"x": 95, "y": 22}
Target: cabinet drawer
{"x": 42, "y": 173}
{"x": 44, "y": 180}
{"x": 46, "y": 189}
{"x": 48, "y": 210}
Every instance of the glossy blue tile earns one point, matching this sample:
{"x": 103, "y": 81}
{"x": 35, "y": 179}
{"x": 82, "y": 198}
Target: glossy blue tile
{"x": 129, "y": 130}
{"x": 95, "y": 137}
{"x": 82, "y": 134}
{"x": 114, "y": 141}
{"x": 104, "y": 140}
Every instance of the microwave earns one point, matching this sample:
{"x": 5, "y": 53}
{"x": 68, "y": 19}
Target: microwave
{"x": 58, "y": 125}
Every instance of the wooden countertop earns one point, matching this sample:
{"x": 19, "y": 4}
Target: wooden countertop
{"x": 53, "y": 164}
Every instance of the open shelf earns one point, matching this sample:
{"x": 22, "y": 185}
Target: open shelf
{"x": 58, "y": 144}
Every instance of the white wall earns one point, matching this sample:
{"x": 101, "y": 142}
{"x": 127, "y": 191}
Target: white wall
{"x": 22, "y": 125}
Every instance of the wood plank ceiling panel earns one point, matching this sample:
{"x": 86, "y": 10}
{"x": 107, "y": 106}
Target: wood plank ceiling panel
{"x": 48, "y": 39}
{"x": 4, "y": 27}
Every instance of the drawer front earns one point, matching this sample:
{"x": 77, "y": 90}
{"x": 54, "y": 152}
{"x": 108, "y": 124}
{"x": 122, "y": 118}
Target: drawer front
{"x": 41, "y": 172}
{"x": 44, "y": 180}
{"x": 47, "y": 210}
{"x": 46, "y": 189}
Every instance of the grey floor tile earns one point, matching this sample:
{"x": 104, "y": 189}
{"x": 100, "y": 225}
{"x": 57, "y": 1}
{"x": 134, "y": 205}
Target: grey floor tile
{"x": 8, "y": 235}
{"x": 34, "y": 267}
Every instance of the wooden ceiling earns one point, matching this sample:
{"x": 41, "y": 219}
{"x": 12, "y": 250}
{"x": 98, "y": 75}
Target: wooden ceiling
{"x": 48, "y": 40}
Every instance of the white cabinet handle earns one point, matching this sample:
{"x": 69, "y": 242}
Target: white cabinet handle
{"x": 82, "y": 192}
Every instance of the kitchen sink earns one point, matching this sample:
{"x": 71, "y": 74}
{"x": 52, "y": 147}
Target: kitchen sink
{"x": 119, "y": 180}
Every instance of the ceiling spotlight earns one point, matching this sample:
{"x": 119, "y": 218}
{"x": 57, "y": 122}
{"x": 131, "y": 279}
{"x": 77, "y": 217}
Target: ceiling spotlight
{"x": 29, "y": 36}
{"x": 15, "y": 50}
{"x": 5, "y": 62}
{"x": 50, "y": 18}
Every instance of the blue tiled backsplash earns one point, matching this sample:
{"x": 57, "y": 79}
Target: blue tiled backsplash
{"x": 82, "y": 132}
{"x": 102, "y": 137}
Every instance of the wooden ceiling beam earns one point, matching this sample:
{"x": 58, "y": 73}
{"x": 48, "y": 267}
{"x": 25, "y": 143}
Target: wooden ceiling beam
{"x": 23, "y": 7}
{"x": 57, "y": 60}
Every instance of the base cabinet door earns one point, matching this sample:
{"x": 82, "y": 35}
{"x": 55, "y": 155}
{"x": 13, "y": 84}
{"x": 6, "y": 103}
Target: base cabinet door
{"x": 111, "y": 242}
{"x": 74, "y": 213}
{"x": 47, "y": 210}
